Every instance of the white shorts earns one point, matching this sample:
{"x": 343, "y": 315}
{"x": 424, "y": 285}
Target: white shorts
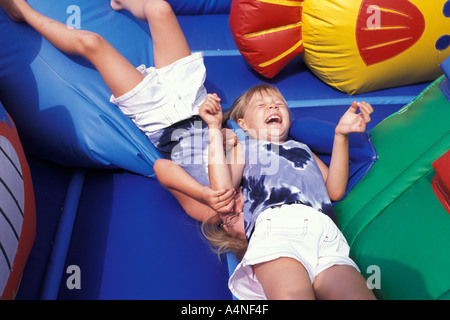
{"x": 167, "y": 95}
{"x": 294, "y": 231}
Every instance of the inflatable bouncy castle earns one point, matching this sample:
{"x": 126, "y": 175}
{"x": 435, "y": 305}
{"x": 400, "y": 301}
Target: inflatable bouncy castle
{"x": 354, "y": 46}
{"x": 17, "y": 208}
{"x": 106, "y": 229}
{"x": 396, "y": 216}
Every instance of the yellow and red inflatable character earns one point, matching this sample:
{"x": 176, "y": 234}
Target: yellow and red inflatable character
{"x": 17, "y": 208}
{"x": 353, "y": 45}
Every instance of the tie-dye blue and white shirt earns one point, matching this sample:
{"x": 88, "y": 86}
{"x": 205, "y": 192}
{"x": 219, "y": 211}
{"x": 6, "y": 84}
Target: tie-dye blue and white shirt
{"x": 186, "y": 143}
{"x": 277, "y": 174}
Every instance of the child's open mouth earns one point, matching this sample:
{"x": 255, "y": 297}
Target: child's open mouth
{"x": 272, "y": 119}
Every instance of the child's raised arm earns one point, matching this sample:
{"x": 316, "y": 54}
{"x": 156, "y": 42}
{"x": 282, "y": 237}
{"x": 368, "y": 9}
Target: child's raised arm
{"x": 336, "y": 177}
{"x": 219, "y": 173}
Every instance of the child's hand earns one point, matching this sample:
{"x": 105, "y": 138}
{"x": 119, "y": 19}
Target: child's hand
{"x": 238, "y": 206}
{"x": 221, "y": 201}
{"x": 211, "y": 111}
{"x": 239, "y": 202}
{"x": 229, "y": 139}
{"x": 352, "y": 121}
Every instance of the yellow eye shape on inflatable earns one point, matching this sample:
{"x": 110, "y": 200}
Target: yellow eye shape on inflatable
{"x": 353, "y": 45}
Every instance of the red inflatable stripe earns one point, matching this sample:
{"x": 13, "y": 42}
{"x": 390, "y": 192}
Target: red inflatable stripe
{"x": 268, "y": 33}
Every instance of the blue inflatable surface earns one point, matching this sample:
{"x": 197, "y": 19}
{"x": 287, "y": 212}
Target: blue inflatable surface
{"x": 129, "y": 236}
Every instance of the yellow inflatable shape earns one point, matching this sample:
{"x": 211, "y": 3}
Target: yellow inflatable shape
{"x": 358, "y": 46}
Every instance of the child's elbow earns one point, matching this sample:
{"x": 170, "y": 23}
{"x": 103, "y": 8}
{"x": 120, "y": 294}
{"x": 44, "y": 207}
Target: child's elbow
{"x": 157, "y": 166}
{"x": 161, "y": 167}
{"x": 336, "y": 195}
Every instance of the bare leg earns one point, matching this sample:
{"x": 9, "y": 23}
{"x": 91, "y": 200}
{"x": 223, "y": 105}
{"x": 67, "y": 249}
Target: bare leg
{"x": 284, "y": 279}
{"x": 342, "y": 282}
{"x": 169, "y": 42}
{"x": 119, "y": 75}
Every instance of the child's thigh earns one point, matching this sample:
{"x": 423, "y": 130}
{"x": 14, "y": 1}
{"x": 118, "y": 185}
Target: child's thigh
{"x": 117, "y": 72}
{"x": 283, "y": 279}
{"x": 341, "y": 282}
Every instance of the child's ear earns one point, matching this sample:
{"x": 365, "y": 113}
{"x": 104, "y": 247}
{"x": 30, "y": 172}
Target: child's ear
{"x": 242, "y": 124}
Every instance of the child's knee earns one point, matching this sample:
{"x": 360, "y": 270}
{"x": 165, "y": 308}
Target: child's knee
{"x": 157, "y": 9}
{"x": 90, "y": 42}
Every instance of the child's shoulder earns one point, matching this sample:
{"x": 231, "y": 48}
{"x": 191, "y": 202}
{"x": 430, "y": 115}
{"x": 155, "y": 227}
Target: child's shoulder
{"x": 296, "y": 143}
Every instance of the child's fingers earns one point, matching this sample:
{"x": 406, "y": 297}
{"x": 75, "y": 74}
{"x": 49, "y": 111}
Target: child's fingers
{"x": 353, "y": 107}
{"x": 239, "y": 202}
{"x": 232, "y": 141}
{"x": 225, "y": 208}
{"x": 366, "y": 106}
{"x": 213, "y": 103}
{"x": 228, "y": 208}
{"x": 211, "y": 107}
{"x": 224, "y": 196}
{"x": 227, "y": 194}
{"x": 366, "y": 109}
{"x": 229, "y": 139}
{"x": 214, "y": 96}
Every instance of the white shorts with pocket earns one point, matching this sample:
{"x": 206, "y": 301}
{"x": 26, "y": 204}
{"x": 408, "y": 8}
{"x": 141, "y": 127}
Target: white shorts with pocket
{"x": 167, "y": 95}
{"x": 294, "y": 231}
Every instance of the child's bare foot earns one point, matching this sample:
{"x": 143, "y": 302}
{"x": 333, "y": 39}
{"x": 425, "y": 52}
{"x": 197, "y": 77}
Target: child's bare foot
{"x": 13, "y": 9}
{"x": 136, "y": 7}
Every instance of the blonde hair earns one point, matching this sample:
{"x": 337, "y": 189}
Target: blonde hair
{"x": 240, "y": 105}
{"x": 221, "y": 241}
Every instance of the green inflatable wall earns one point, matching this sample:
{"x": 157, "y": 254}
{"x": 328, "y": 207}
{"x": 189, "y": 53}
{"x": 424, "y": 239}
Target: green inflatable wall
{"x": 398, "y": 230}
